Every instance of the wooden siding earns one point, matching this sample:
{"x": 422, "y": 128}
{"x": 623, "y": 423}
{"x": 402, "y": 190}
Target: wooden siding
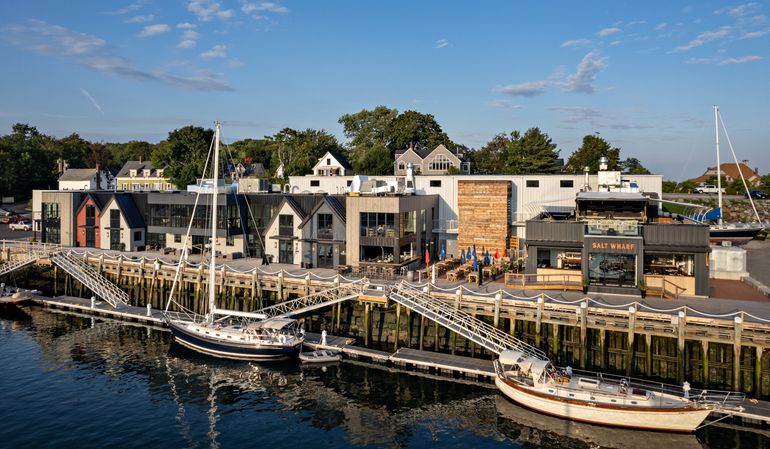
{"x": 483, "y": 210}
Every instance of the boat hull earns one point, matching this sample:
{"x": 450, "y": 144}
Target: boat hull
{"x": 737, "y": 236}
{"x": 683, "y": 420}
{"x": 227, "y": 350}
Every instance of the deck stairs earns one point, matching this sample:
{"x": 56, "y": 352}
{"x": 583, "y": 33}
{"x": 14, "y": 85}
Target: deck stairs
{"x": 460, "y": 322}
{"x": 88, "y": 276}
{"x": 324, "y": 298}
{"x": 18, "y": 263}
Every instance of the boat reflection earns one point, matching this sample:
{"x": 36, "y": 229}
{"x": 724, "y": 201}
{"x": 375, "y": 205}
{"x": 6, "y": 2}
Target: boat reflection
{"x": 524, "y": 425}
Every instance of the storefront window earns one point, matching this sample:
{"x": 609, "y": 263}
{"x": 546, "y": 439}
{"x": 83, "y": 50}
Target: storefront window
{"x": 672, "y": 265}
{"x": 612, "y": 269}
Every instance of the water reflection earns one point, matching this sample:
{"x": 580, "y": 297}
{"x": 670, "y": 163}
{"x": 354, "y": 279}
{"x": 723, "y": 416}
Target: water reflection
{"x": 215, "y": 403}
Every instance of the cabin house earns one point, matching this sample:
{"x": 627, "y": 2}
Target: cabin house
{"x": 429, "y": 162}
{"x": 731, "y": 172}
{"x": 139, "y": 176}
{"x": 87, "y": 226}
{"x": 84, "y": 179}
{"x": 122, "y": 226}
{"x": 323, "y": 233}
{"x": 332, "y": 164}
{"x": 283, "y": 234}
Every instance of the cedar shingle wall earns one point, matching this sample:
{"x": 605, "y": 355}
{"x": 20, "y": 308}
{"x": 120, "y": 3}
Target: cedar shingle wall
{"x": 483, "y": 212}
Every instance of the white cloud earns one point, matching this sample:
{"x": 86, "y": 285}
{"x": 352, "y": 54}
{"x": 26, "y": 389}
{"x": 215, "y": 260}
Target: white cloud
{"x": 126, "y": 10}
{"x": 529, "y": 89}
{"x": 186, "y": 26}
{"x": 235, "y": 63}
{"x": 190, "y": 34}
{"x": 661, "y": 26}
{"x": 264, "y": 6}
{"x": 503, "y": 104}
{"x": 701, "y": 61}
{"x": 188, "y": 43}
{"x": 703, "y": 38}
{"x": 441, "y": 43}
{"x": 754, "y": 34}
{"x": 206, "y": 10}
{"x": 741, "y": 60}
{"x": 96, "y": 54}
{"x": 582, "y": 80}
{"x": 613, "y": 43}
{"x": 140, "y": 19}
{"x": 597, "y": 119}
{"x": 154, "y": 30}
{"x": 608, "y": 31}
{"x": 88, "y": 95}
{"x": 217, "y": 51}
{"x": 739, "y": 10}
{"x": 576, "y": 43}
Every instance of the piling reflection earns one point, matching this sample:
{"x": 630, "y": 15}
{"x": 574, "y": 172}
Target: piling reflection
{"x": 214, "y": 402}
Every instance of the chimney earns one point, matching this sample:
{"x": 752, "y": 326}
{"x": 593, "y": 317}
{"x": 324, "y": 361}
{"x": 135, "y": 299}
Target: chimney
{"x": 98, "y": 177}
{"x": 140, "y": 159}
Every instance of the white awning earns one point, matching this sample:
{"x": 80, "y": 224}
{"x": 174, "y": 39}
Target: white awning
{"x": 509, "y": 357}
{"x": 538, "y": 366}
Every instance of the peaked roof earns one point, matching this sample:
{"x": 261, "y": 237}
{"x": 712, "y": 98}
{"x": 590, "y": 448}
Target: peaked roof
{"x": 128, "y": 209}
{"x": 97, "y": 202}
{"x": 337, "y": 206}
{"x": 134, "y": 165}
{"x": 78, "y": 174}
{"x": 293, "y": 204}
{"x": 339, "y": 157}
{"x": 425, "y": 152}
{"x": 731, "y": 170}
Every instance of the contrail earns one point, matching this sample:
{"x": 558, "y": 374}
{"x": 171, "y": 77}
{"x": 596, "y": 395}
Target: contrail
{"x": 87, "y": 95}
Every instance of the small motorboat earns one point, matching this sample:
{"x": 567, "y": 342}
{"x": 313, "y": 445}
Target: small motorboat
{"x": 15, "y": 296}
{"x": 320, "y": 356}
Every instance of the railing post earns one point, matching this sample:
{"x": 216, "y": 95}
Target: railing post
{"x": 539, "y": 315}
{"x": 737, "y": 337}
{"x": 681, "y": 327}
{"x": 498, "y": 301}
{"x": 631, "y": 334}
{"x": 280, "y": 285}
{"x": 583, "y": 333}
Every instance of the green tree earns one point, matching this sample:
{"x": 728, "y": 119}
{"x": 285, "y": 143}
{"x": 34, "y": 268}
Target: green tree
{"x": 593, "y": 148}
{"x": 253, "y": 150}
{"x": 134, "y": 150}
{"x": 183, "y": 154}
{"x": 764, "y": 183}
{"x": 74, "y": 150}
{"x": 30, "y": 161}
{"x": 369, "y": 132}
{"x": 299, "y": 151}
{"x": 490, "y": 158}
{"x": 632, "y": 166}
{"x": 534, "y": 152}
{"x": 98, "y": 155}
{"x": 670, "y": 186}
{"x": 421, "y": 130}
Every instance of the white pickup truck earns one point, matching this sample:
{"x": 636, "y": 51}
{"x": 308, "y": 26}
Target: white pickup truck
{"x": 708, "y": 188}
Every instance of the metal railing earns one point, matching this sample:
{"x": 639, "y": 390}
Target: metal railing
{"x": 460, "y": 322}
{"x": 315, "y": 301}
{"x": 544, "y": 281}
{"x": 88, "y": 276}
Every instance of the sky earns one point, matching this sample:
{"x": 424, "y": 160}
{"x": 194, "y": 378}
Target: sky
{"x": 644, "y": 75}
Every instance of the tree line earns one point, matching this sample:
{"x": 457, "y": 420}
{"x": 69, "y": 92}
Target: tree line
{"x": 29, "y": 158}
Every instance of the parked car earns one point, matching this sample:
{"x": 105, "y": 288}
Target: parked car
{"x": 11, "y": 218}
{"x": 23, "y": 225}
{"x": 708, "y": 188}
{"x": 756, "y": 194}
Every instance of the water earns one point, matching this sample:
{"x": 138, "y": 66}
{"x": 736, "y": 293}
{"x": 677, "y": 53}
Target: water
{"x": 69, "y": 381}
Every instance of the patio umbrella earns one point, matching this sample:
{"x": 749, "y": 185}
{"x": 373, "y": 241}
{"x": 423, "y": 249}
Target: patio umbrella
{"x": 487, "y": 260}
{"x": 427, "y": 257}
{"x": 462, "y": 256}
{"x": 442, "y": 254}
{"x": 475, "y": 260}
{"x": 468, "y": 253}
{"x": 497, "y": 253}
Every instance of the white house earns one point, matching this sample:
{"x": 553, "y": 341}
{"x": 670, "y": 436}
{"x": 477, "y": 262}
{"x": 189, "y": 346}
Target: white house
{"x": 84, "y": 179}
{"x": 283, "y": 234}
{"x": 122, "y": 226}
{"x": 332, "y": 164}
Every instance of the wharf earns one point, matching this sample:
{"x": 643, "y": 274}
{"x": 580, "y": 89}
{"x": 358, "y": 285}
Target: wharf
{"x": 101, "y": 308}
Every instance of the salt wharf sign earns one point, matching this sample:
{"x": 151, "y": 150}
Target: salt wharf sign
{"x": 614, "y": 245}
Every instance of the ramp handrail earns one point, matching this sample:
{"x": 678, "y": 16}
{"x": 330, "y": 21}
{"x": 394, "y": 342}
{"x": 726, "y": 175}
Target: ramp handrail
{"x": 91, "y": 278}
{"x": 315, "y": 301}
{"x": 461, "y": 323}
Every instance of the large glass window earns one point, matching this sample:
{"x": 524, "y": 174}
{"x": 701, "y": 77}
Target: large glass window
{"x": 285, "y": 251}
{"x": 325, "y": 222}
{"x": 325, "y": 255}
{"x": 51, "y": 211}
{"x": 285, "y": 225}
{"x": 115, "y": 219}
{"x": 672, "y": 265}
{"x": 378, "y": 224}
{"x": 408, "y": 223}
{"x": 612, "y": 269}
{"x": 156, "y": 240}
{"x": 90, "y": 215}
{"x": 440, "y": 162}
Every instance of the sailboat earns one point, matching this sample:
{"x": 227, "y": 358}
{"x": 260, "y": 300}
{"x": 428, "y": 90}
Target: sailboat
{"x": 735, "y": 233}
{"x": 230, "y": 334}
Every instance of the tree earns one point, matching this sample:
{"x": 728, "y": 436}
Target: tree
{"x": 534, "y": 152}
{"x": 764, "y": 183}
{"x": 489, "y": 158}
{"x": 421, "y": 130}
{"x": 98, "y": 155}
{"x": 369, "y": 132}
{"x": 134, "y": 150}
{"x": 183, "y": 154}
{"x": 253, "y": 150}
{"x": 632, "y": 166}
{"x": 299, "y": 151}
{"x": 593, "y": 148}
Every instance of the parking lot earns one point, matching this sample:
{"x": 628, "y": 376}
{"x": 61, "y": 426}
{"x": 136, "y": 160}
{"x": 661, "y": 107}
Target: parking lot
{"x": 5, "y": 231}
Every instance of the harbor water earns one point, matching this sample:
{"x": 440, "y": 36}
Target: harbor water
{"x": 72, "y": 381}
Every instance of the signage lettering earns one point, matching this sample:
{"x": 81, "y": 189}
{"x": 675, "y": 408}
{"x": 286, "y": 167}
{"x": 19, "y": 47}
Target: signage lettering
{"x": 615, "y": 246}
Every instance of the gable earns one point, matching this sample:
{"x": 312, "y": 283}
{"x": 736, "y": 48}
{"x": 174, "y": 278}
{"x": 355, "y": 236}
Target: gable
{"x": 441, "y": 149}
{"x": 328, "y": 205}
{"x": 287, "y": 207}
{"x": 409, "y": 156}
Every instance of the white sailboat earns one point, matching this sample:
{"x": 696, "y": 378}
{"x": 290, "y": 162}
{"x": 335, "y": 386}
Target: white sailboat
{"x": 225, "y": 333}
{"x": 598, "y": 398}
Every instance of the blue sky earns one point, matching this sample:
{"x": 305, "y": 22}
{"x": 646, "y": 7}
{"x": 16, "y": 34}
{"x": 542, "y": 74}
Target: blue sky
{"x": 644, "y": 75}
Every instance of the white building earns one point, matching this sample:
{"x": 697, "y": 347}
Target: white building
{"x": 332, "y": 164}
{"x": 84, "y": 179}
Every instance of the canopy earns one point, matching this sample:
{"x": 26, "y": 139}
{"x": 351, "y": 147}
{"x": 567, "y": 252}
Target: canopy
{"x": 272, "y": 323}
{"x": 537, "y": 368}
{"x": 509, "y": 357}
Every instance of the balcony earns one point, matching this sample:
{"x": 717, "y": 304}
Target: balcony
{"x": 625, "y": 228}
{"x": 446, "y": 225}
{"x": 325, "y": 234}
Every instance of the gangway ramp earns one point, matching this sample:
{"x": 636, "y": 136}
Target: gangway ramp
{"x": 461, "y": 323}
{"x": 21, "y": 253}
{"x": 16, "y": 264}
{"x": 324, "y": 298}
{"x": 88, "y": 276}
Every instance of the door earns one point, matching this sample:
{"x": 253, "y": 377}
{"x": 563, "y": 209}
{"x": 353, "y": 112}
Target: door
{"x": 325, "y": 255}
{"x": 285, "y": 251}
{"x": 115, "y": 239}
{"x": 90, "y": 237}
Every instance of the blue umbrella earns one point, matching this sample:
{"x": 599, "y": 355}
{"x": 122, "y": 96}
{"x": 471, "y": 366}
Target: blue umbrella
{"x": 462, "y": 257}
{"x": 468, "y": 253}
{"x": 475, "y": 260}
{"x": 442, "y": 254}
{"x": 487, "y": 260}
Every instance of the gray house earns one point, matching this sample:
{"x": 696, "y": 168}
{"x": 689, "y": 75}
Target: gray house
{"x": 429, "y": 162}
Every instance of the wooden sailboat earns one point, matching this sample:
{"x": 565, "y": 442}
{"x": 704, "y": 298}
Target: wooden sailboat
{"x": 225, "y": 333}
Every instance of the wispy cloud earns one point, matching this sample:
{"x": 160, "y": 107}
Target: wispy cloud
{"x": 125, "y": 10}
{"x": 608, "y": 31}
{"x": 88, "y": 95}
{"x": 582, "y": 80}
{"x": 754, "y": 34}
{"x": 96, "y": 54}
{"x": 703, "y": 38}
{"x": 739, "y": 10}
{"x": 576, "y": 43}
{"x": 596, "y": 119}
{"x": 249, "y": 8}
{"x": 741, "y": 60}
{"x": 529, "y": 89}
{"x": 206, "y": 10}
{"x": 217, "y": 51}
{"x": 503, "y": 104}
{"x": 189, "y": 39}
{"x": 441, "y": 43}
{"x": 140, "y": 19}
{"x": 154, "y": 30}
{"x": 661, "y": 26}
{"x": 186, "y": 26}
{"x": 702, "y": 61}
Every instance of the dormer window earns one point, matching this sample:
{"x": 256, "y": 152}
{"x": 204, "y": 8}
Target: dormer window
{"x": 160, "y": 172}
{"x": 146, "y": 173}
{"x": 401, "y": 166}
{"x": 133, "y": 173}
{"x": 328, "y": 161}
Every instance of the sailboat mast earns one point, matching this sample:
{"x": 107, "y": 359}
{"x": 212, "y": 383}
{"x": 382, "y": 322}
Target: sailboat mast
{"x": 213, "y": 245}
{"x": 719, "y": 168}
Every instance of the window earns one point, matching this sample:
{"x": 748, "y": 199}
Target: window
{"x": 115, "y": 219}
{"x": 315, "y": 183}
{"x": 378, "y": 224}
{"x": 350, "y": 183}
{"x": 51, "y": 211}
{"x": 401, "y": 166}
{"x": 124, "y": 187}
{"x": 533, "y": 183}
{"x": 229, "y": 241}
{"x": 566, "y": 183}
{"x": 177, "y": 238}
{"x": 137, "y": 236}
{"x": 325, "y": 226}
{"x": 440, "y": 162}
{"x": 133, "y": 173}
{"x": 286, "y": 225}
{"x": 90, "y": 215}
{"x": 328, "y": 161}
{"x": 146, "y": 173}
{"x": 435, "y": 183}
